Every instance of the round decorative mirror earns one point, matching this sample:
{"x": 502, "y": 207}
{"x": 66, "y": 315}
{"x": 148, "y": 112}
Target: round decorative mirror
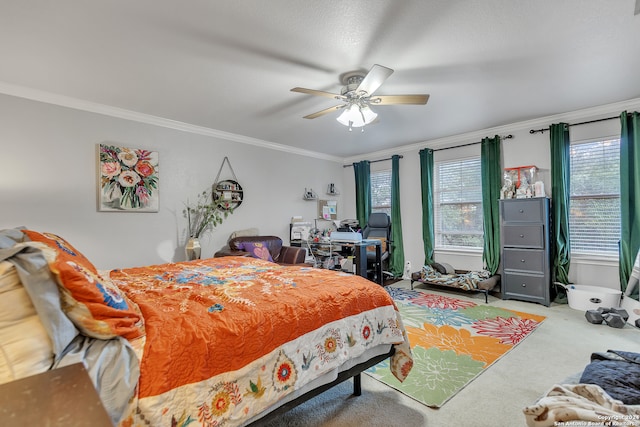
{"x": 227, "y": 194}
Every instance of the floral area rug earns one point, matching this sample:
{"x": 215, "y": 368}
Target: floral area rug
{"x": 453, "y": 341}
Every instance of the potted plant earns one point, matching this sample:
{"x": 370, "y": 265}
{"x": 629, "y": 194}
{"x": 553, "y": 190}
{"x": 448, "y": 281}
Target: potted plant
{"x": 202, "y": 216}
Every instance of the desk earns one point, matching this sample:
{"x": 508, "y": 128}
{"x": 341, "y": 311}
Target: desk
{"x": 326, "y": 248}
{"x": 321, "y": 250}
{"x": 360, "y": 252}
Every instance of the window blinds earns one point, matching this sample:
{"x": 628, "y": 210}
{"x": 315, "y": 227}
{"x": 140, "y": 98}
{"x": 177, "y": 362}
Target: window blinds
{"x": 594, "y": 208}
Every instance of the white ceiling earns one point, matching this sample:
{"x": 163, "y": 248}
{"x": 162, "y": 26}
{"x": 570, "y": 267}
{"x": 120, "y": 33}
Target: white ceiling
{"x": 230, "y": 65}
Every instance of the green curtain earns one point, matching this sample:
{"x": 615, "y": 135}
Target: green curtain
{"x": 560, "y": 193}
{"x": 426, "y": 181}
{"x": 396, "y": 259}
{"x": 629, "y": 194}
{"x": 491, "y": 173}
{"x": 362, "y": 172}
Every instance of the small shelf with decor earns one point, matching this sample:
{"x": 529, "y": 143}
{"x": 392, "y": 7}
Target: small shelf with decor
{"x": 309, "y": 194}
{"x": 228, "y": 194}
{"x": 332, "y": 190}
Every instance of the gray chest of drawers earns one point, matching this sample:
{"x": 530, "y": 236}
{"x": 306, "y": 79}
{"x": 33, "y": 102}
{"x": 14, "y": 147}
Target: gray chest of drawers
{"x": 526, "y": 254}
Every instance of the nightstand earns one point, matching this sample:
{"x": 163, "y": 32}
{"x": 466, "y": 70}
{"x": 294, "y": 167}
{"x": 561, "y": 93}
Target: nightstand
{"x": 56, "y": 398}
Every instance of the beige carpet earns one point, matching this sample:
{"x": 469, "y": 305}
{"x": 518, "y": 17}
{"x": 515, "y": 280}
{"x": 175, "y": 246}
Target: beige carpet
{"x": 558, "y": 349}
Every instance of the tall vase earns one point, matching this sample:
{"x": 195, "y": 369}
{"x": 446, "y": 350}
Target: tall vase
{"x": 192, "y": 249}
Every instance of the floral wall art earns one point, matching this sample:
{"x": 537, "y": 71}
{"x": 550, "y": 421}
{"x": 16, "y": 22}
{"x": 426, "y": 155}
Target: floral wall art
{"x": 128, "y": 179}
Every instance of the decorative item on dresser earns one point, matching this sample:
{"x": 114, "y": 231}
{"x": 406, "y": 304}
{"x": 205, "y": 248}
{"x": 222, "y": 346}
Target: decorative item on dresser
{"x": 526, "y": 250}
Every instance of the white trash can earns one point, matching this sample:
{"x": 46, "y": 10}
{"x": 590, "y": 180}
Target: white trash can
{"x": 584, "y": 297}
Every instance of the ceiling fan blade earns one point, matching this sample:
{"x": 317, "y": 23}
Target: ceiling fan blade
{"x": 399, "y": 99}
{"x": 317, "y": 93}
{"x": 325, "y": 111}
{"x": 374, "y": 79}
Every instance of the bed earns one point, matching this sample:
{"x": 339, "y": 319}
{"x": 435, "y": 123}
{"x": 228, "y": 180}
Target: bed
{"x": 463, "y": 280}
{"x": 222, "y": 341}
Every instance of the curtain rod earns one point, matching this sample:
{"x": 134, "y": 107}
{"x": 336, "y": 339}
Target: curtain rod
{"x": 471, "y": 143}
{"x": 372, "y": 161}
{"x": 437, "y": 149}
{"x": 532, "y": 131}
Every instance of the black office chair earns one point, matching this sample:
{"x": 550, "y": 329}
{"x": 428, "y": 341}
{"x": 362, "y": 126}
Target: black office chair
{"x": 378, "y": 226}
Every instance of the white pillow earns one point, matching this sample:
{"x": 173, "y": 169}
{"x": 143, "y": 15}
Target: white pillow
{"x": 25, "y": 347}
{"x": 243, "y": 233}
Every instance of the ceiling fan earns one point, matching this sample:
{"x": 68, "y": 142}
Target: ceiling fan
{"x": 357, "y": 97}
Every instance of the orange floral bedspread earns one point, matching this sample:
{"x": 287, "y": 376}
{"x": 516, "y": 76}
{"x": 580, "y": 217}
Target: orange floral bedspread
{"x": 229, "y": 337}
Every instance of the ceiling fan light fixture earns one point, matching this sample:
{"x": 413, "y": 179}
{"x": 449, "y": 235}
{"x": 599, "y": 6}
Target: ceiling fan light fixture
{"x": 357, "y": 96}
{"x": 356, "y": 116}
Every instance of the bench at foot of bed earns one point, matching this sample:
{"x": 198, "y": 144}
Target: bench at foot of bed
{"x": 463, "y": 280}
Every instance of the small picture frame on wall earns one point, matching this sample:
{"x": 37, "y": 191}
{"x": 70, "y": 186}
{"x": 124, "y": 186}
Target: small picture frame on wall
{"x": 128, "y": 179}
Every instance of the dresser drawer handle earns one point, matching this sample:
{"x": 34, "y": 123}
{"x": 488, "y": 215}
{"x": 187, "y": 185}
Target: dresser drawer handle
{"x": 521, "y": 260}
{"x": 522, "y": 236}
{"x": 524, "y": 285}
{"x": 521, "y": 210}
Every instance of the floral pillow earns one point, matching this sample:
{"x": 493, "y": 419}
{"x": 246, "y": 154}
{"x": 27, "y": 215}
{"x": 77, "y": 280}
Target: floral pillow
{"x": 256, "y": 249}
{"x": 95, "y": 305}
{"x": 61, "y": 245}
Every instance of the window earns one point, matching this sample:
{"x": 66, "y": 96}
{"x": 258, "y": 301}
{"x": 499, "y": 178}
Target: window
{"x": 458, "y": 204}
{"x": 594, "y": 207}
{"x": 381, "y": 191}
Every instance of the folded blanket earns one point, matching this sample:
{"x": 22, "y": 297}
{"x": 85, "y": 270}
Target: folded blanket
{"x": 586, "y": 403}
{"x": 617, "y": 372}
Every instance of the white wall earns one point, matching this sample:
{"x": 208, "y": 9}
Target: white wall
{"x": 523, "y": 149}
{"x": 48, "y": 183}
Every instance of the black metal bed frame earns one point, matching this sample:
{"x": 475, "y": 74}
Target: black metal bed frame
{"x": 354, "y": 372}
